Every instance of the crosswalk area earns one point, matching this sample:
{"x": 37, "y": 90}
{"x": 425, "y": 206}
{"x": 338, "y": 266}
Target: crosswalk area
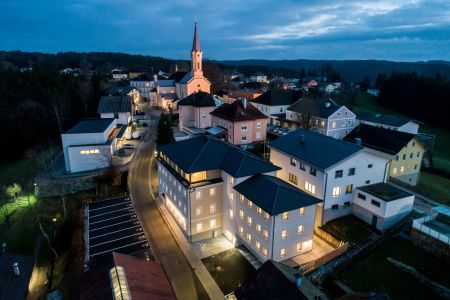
{"x": 114, "y": 227}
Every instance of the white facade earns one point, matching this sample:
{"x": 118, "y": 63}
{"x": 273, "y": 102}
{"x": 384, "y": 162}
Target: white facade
{"x": 410, "y": 127}
{"x": 258, "y": 78}
{"x": 122, "y": 118}
{"x": 270, "y": 110}
{"x": 378, "y": 212}
{"x": 88, "y": 151}
{"x": 145, "y": 87}
{"x": 335, "y": 191}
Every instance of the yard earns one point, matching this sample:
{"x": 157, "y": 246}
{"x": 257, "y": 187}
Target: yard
{"x": 435, "y": 186}
{"x": 348, "y": 229}
{"x": 229, "y": 269}
{"x": 374, "y": 272}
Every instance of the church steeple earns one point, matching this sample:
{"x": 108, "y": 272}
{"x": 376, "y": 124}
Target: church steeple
{"x": 196, "y": 54}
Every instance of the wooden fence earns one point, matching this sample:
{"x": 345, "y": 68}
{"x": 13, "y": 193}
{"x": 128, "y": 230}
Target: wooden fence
{"x": 330, "y": 239}
{"x": 317, "y": 263}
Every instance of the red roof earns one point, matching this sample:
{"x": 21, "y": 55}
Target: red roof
{"x": 146, "y": 279}
{"x": 236, "y": 111}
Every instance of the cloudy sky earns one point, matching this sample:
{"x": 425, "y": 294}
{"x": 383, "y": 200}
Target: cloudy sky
{"x": 401, "y": 30}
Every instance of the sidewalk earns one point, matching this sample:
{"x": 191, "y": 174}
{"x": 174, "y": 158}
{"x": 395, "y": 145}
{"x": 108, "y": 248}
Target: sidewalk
{"x": 209, "y": 284}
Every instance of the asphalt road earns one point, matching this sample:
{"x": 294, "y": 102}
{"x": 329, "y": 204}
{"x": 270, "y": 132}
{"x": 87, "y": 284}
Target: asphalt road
{"x": 163, "y": 244}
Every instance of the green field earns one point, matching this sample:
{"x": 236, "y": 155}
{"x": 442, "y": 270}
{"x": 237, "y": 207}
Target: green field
{"x": 434, "y": 186}
{"x": 348, "y": 229}
{"x": 374, "y": 272}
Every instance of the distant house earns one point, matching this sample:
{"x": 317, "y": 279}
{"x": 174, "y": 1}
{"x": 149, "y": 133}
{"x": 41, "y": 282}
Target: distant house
{"x": 242, "y": 122}
{"x": 74, "y": 71}
{"x": 327, "y": 168}
{"x": 259, "y": 77}
{"x": 332, "y": 87}
{"x": 138, "y": 73}
{"x": 312, "y": 83}
{"x": 404, "y": 150}
{"x": 382, "y": 205}
{"x": 373, "y": 92}
{"x": 274, "y": 103}
{"x": 195, "y": 109}
{"x": 145, "y": 85}
{"x": 326, "y": 117}
{"x": 118, "y": 74}
{"x": 91, "y": 143}
{"x": 387, "y": 121}
{"x": 117, "y": 107}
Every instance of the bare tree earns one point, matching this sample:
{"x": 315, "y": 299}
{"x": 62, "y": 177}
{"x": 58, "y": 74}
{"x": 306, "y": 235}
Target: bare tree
{"x": 304, "y": 120}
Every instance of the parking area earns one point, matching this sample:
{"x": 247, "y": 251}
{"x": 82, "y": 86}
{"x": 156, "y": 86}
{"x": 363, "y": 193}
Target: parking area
{"x": 277, "y": 130}
{"x": 114, "y": 227}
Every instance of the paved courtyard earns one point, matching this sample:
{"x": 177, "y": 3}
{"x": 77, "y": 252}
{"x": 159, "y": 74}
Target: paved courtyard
{"x": 320, "y": 248}
{"x": 212, "y": 246}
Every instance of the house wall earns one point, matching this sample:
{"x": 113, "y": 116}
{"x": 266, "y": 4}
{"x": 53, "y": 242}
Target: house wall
{"x": 270, "y": 110}
{"x": 410, "y": 127}
{"x": 78, "y": 162}
{"x": 124, "y": 118}
{"x": 405, "y": 166}
{"x": 198, "y": 117}
{"x": 235, "y": 132}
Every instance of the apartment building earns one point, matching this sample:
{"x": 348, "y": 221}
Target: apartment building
{"x": 326, "y": 117}
{"x": 404, "y": 150}
{"x": 241, "y": 122}
{"x": 327, "y": 168}
{"x": 275, "y": 102}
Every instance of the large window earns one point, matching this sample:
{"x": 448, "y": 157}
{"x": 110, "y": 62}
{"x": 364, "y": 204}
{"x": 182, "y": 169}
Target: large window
{"x": 293, "y": 178}
{"x": 310, "y": 187}
{"x": 336, "y": 191}
{"x": 199, "y": 176}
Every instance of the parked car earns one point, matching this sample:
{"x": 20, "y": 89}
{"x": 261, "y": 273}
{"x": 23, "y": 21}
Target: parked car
{"x": 120, "y": 152}
{"x": 136, "y": 135}
{"x": 128, "y": 146}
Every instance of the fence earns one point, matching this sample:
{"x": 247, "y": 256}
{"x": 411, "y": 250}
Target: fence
{"x": 330, "y": 239}
{"x": 418, "y": 225}
{"x": 317, "y": 263}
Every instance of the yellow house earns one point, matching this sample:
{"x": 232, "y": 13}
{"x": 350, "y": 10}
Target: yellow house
{"x": 404, "y": 149}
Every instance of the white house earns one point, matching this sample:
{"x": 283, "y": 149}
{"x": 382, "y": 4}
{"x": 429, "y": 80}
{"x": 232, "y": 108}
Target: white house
{"x": 326, "y": 116}
{"x": 388, "y": 121}
{"x": 274, "y": 103}
{"x": 118, "y": 74}
{"x": 117, "y": 107}
{"x": 258, "y": 77}
{"x": 381, "y": 205}
{"x": 145, "y": 85}
{"x": 332, "y": 87}
{"x": 327, "y": 168}
{"x": 90, "y": 144}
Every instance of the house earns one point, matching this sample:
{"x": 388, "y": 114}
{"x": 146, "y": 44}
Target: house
{"x": 138, "y": 73}
{"x": 324, "y": 116}
{"x": 387, "y": 121}
{"x": 248, "y": 94}
{"x": 332, "y": 87}
{"x": 118, "y": 74}
{"x": 146, "y": 86}
{"x": 123, "y": 276}
{"x": 373, "y": 92}
{"x": 258, "y": 77}
{"x": 327, "y": 168}
{"x": 275, "y": 102}
{"x": 231, "y": 75}
{"x": 276, "y": 219}
{"x": 91, "y": 143}
{"x": 381, "y": 205}
{"x": 15, "y": 275}
{"x": 117, "y": 107}
{"x": 243, "y": 123}
{"x": 404, "y": 150}
{"x": 195, "y": 109}
{"x": 312, "y": 83}
{"x": 193, "y": 81}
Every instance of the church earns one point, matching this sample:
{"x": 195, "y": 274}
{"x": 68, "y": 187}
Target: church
{"x": 193, "y": 81}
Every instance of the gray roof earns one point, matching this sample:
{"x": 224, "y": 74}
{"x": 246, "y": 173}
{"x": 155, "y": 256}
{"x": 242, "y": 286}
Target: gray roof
{"x": 277, "y": 97}
{"x": 13, "y": 286}
{"x": 384, "y": 191}
{"x": 198, "y": 99}
{"x": 274, "y": 195}
{"x": 321, "y": 151}
{"x": 375, "y": 117}
{"x": 318, "y": 108}
{"x": 119, "y": 90}
{"x": 114, "y": 104}
{"x": 166, "y": 83}
{"x": 91, "y": 126}
{"x": 206, "y": 153}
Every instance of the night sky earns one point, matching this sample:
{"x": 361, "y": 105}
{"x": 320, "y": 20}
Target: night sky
{"x": 397, "y": 30}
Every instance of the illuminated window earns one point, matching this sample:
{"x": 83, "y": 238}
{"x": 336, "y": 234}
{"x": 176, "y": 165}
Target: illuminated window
{"x": 212, "y": 223}
{"x": 198, "y": 195}
{"x": 265, "y": 234}
{"x": 241, "y": 230}
{"x": 212, "y": 208}
{"x": 266, "y": 216}
{"x": 199, "y": 226}
{"x": 198, "y": 211}
{"x": 284, "y": 234}
{"x": 258, "y": 124}
{"x": 119, "y": 283}
{"x": 301, "y": 211}
{"x": 91, "y": 151}
{"x": 199, "y": 176}
{"x": 300, "y": 229}
{"x": 241, "y": 214}
{"x": 299, "y": 247}
{"x": 394, "y": 171}
{"x": 336, "y": 191}
{"x": 402, "y": 169}
{"x": 231, "y": 180}
{"x": 241, "y": 197}
{"x": 231, "y": 214}
{"x": 348, "y": 188}
{"x": 285, "y": 215}
{"x": 231, "y": 196}
{"x": 259, "y": 210}
{"x": 283, "y": 252}
{"x": 333, "y": 124}
{"x": 293, "y": 162}
{"x": 212, "y": 191}
{"x": 258, "y": 245}
{"x": 264, "y": 251}
{"x": 249, "y": 220}
{"x": 249, "y": 237}
{"x": 310, "y": 187}
{"x": 249, "y": 203}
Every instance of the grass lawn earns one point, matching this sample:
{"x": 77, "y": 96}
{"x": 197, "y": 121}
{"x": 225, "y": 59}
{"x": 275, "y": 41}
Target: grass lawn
{"x": 434, "y": 186}
{"x": 374, "y": 272}
{"x": 229, "y": 269}
{"x": 347, "y": 229}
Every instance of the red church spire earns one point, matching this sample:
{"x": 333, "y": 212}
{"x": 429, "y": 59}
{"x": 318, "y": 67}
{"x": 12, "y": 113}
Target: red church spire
{"x": 196, "y": 42}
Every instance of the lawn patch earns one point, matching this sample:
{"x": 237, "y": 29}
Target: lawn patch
{"x": 374, "y": 272}
{"x": 348, "y": 229}
{"x": 229, "y": 269}
{"x": 434, "y": 186}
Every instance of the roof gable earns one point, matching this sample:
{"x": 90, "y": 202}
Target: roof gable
{"x": 318, "y": 108}
{"x": 318, "y": 150}
{"x": 237, "y": 111}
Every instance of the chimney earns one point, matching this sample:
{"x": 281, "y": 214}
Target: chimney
{"x": 302, "y": 138}
{"x": 358, "y": 141}
{"x": 16, "y": 269}
{"x": 244, "y": 103}
{"x": 327, "y": 104}
{"x": 298, "y": 280}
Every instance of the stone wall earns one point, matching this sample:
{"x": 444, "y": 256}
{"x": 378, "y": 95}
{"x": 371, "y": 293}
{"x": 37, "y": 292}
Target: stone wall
{"x": 430, "y": 244}
{"x": 65, "y": 186}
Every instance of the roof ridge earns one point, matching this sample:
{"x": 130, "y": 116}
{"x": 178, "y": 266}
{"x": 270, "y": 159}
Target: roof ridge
{"x": 276, "y": 197}
{"x": 199, "y": 153}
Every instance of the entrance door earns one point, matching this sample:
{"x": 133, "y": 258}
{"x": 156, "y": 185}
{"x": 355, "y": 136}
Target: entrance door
{"x": 374, "y": 221}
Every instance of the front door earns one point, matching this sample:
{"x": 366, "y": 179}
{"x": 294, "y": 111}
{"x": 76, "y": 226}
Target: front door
{"x": 374, "y": 221}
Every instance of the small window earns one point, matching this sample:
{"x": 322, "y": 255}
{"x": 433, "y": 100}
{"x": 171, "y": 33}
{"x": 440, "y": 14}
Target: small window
{"x": 199, "y": 226}
{"x": 241, "y": 214}
{"x": 396, "y": 157}
{"x": 418, "y": 154}
{"x": 198, "y": 211}
{"x": 259, "y": 210}
{"x": 212, "y": 191}
{"x": 249, "y": 203}
{"x": 404, "y": 156}
{"x": 361, "y": 196}
{"x": 285, "y": 215}
{"x": 415, "y": 167}
{"x": 336, "y": 191}
{"x": 293, "y": 178}
{"x": 312, "y": 171}
{"x": 265, "y": 234}
{"x": 300, "y": 229}
{"x": 231, "y": 214}
{"x": 244, "y": 127}
{"x": 338, "y": 174}
{"x": 241, "y": 230}
{"x": 299, "y": 247}
{"x": 198, "y": 195}
{"x": 348, "y": 188}
{"x": 249, "y": 237}
{"x": 375, "y": 203}
{"x": 266, "y": 216}
{"x": 249, "y": 220}
{"x": 301, "y": 166}
{"x": 212, "y": 208}
{"x": 231, "y": 180}
{"x": 411, "y": 155}
{"x": 283, "y": 252}
{"x": 258, "y": 227}
{"x": 351, "y": 171}
{"x": 302, "y": 211}
{"x": 258, "y": 125}
{"x": 264, "y": 251}
{"x": 258, "y": 245}
{"x": 241, "y": 197}
{"x": 346, "y": 203}
{"x": 334, "y": 206}
{"x": 293, "y": 162}
{"x": 243, "y": 138}
{"x": 370, "y": 166}
{"x": 212, "y": 223}
{"x": 367, "y": 181}
{"x": 284, "y": 234}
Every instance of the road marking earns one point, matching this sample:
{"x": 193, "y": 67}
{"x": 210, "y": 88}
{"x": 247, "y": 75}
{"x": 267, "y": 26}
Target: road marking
{"x": 115, "y": 224}
{"x": 97, "y": 236}
{"x": 112, "y": 250}
{"x": 104, "y": 220}
{"x": 115, "y": 240}
{"x": 110, "y": 212}
{"x": 103, "y": 207}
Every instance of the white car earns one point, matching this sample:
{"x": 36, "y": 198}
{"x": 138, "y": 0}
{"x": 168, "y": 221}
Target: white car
{"x": 128, "y": 146}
